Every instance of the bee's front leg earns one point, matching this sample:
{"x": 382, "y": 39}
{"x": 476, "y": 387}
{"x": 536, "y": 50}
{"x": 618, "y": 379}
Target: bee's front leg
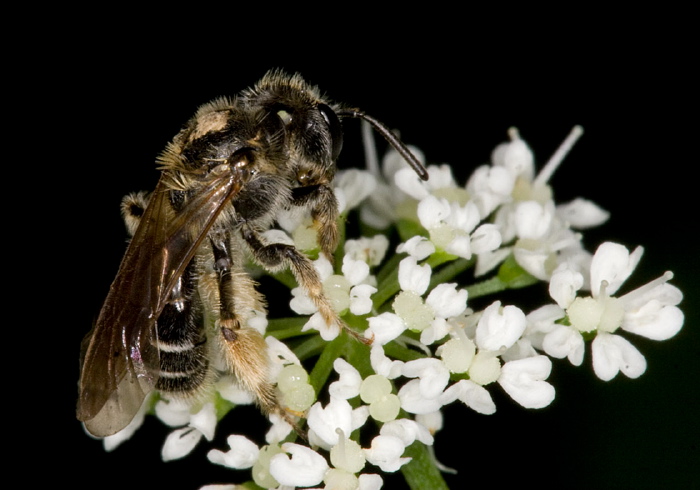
{"x": 321, "y": 199}
{"x": 276, "y": 256}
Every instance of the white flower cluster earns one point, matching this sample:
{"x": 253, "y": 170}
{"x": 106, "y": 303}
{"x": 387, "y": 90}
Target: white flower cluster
{"x": 428, "y": 348}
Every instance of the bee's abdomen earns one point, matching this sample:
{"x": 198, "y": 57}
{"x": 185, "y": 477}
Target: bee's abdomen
{"x": 184, "y": 364}
{"x": 183, "y": 369}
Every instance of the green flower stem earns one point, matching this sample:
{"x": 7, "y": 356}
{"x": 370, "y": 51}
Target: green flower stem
{"x": 510, "y": 276}
{"x": 284, "y": 328}
{"x": 324, "y": 365}
{"x": 484, "y": 288}
{"x": 449, "y": 271}
{"x": 421, "y": 473}
{"x": 400, "y": 352}
{"x": 389, "y": 268}
{"x": 308, "y": 348}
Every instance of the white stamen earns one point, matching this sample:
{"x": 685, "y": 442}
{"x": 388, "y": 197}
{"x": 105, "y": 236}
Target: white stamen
{"x": 553, "y": 163}
{"x": 668, "y": 275}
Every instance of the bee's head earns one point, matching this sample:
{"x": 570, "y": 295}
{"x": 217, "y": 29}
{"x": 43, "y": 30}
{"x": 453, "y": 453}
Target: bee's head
{"x": 313, "y": 133}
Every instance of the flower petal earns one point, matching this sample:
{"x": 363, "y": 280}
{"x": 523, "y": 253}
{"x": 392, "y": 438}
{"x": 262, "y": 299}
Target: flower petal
{"x": 565, "y": 342}
{"x": 243, "y": 453}
{"x": 447, "y": 301}
{"x": 180, "y": 443}
{"x": 612, "y": 263}
{"x": 386, "y": 452}
{"x": 582, "y": 214}
{"x": 413, "y": 277}
{"x": 348, "y": 385}
{"x": 500, "y": 328}
{"x": 305, "y": 467}
{"x": 524, "y": 381}
{"x": 385, "y": 328}
{"x": 612, "y": 353}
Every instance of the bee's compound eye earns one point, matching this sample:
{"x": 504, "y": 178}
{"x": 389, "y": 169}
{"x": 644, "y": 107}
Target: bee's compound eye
{"x": 334, "y": 128}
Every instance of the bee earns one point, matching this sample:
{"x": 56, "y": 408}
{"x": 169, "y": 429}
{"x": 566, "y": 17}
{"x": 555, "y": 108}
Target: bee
{"x": 178, "y": 311}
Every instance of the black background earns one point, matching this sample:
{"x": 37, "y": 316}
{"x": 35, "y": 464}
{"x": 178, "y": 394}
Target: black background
{"x": 121, "y": 99}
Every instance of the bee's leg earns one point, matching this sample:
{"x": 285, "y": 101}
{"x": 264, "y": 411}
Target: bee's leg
{"x": 275, "y": 256}
{"x": 133, "y": 206}
{"x": 245, "y": 350}
{"x": 324, "y": 211}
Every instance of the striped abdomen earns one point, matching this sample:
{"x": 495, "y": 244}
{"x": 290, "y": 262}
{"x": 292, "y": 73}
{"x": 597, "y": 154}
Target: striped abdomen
{"x": 184, "y": 363}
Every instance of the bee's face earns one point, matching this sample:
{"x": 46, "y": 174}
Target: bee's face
{"x": 313, "y": 133}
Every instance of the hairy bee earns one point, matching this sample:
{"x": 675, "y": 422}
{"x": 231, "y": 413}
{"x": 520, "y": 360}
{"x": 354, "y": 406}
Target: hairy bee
{"x": 176, "y": 315}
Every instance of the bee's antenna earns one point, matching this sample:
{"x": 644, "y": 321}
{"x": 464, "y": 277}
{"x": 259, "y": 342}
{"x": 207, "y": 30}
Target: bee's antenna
{"x": 391, "y": 138}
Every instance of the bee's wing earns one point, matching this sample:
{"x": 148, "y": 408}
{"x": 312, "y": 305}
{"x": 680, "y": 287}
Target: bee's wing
{"x": 120, "y": 358}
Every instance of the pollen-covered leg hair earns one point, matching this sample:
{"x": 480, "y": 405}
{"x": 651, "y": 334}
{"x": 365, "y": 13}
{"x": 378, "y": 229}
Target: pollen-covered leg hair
{"x": 324, "y": 211}
{"x": 244, "y": 348}
{"x": 132, "y": 207}
{"x": 275, "y": 256}
{"x": 245, "y": 355}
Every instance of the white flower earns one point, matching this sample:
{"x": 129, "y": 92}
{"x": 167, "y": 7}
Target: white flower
{"x": 582, "y": 214}
{"x": 305, "y": 467}
{"x": 422, "y": 395}
{"x": 417, "y": 247}
{"x": 453, "y": 227}
{"x": 408, "y": 431}
{"x": 348, "y": 386}
{"x": 383, "y": 365}
{"x": 370, "y": 481}
{"x": 384, "y": 328}
{"x": 649, "y": 311}
{"x": 440, "y": 177}
{"x": 347, "y": 454}
{"x": 243, "y": 453}
{"x": 352, "y": 187}
{"x": 612, "y": 354}
{"x": 386, "y": 452}
{"x": 432, "y": 373}
{"x": 414, "y": 401}
{"x": 327, "y": 332}
{"x": 491, "y": 186}
{"x": 230, "y": 389}
{"x": 565, "y": 342}
{"x": 182, "y": 441}
{"x": 370, "y": 250}
{"x": 472, "y": 395}
{"x": 499, "y": 328}
{"x": 381, "y": 208}
{"x": 543, "y": 229}
{"x": 325, "y": 422}
{"x": 413, "y": 277}
{"x": 352, "y": 291}
{"x": 515, "y": 156}
{"x": 279, "y": 429}
{"x": 524, "y": 381}
{"x": 447, "y": 301}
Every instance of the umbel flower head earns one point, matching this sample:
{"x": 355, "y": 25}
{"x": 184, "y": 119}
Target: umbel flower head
{"x": 372, "y": 409}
